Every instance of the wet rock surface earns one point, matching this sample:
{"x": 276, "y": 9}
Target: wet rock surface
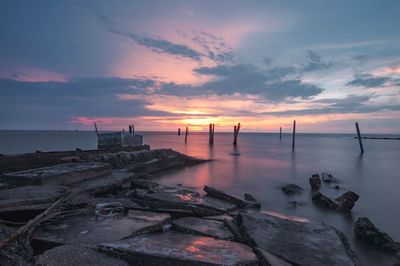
{"x": 60, "y": 175}
{"x": 173, "y": 248}
{"x": 88, "y": 228}
{"x": 315, "y": 182}
{"x": 291, "y": 189}
{"x": 327, "y": 178}
{"x": 213, "y": 192}
{"x": 267, "y": 259}
{"x": 204, "y": 227}
{"x": 297, "y": 240}
{"x": 71, "y": 255}
{"x": 347, "y": 200}
{"x": 368, "y": 232}
{"x": 325, "y": 202}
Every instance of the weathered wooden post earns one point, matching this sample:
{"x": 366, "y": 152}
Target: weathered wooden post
{"x": 133, "y": 128}
{"x": 130, "y": 129}
{"x": 211, "y": 134}
{"x": 359, "y": 138}
{"x": 186, "y": 134}
{"x": 280, "y": 133}
{"x": 179, "y": 131}
{"x": 235, "y": 133}
{"x": 294, "y": 134}
{"x": 95, "y": 127}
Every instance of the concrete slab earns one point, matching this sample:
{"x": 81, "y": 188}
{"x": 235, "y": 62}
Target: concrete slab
{"x": 203, "y": 227}
{"x": 60, "y": 175}
{"x": 173, "y": 248}
{"x": 89, "y": 229}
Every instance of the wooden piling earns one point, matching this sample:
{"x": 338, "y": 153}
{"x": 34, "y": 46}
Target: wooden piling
{"x": 179, "y": 131}
{"x": 294, "y": 134}
{"x": 95, "y": 127}
{"x": 280, "y": 133}
{"x": 186, "y": 134}
{"x": 211, "y": 133}
{"x": 130, "y": 129}
{"x": 235, "y": 133}
{"x": 359, "y": 138}
{"x": 133, "y": 128}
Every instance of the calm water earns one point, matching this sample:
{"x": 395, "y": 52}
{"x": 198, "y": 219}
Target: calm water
{"x": 266, "y": 164}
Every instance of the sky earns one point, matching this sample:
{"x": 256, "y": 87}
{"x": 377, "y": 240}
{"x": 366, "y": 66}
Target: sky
{"x": 167, "y": 64}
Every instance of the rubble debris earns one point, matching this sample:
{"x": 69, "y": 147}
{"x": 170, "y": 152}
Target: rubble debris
{"x": 327, "y": 178}
{"x": 368, "y": 232}
{"x": 325, "y": 202}
{"x": 203, "y": 227}
{"x": 173, "y": 248}
{"x": 67, "y": 255}
{"x": 291, "y": 189}
{"x": 297, "y": 240}
{"x": 315, "y": 182}
{"x": 213, "y": 192}
{"x": 347, "y": 200}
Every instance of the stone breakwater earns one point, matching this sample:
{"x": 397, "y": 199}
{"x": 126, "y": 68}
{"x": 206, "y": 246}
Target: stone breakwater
{"x": 104, "y": 209}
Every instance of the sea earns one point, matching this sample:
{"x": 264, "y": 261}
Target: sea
{"x": 262, "y": 163}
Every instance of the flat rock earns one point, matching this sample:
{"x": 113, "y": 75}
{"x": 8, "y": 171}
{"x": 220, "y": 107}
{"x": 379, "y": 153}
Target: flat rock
{"x": 213, "y": 192}
{"x": 173, "y": 248}
{"x": 297, "y": 240}
{"x": 60, "y": 175}
{"x": 185, "y": 199}
{"x": 24, "y": 202}
{"x": 70, "y": 255}
{"x": 88, "y": 228}
{"x": 204, "y": 227}
{"x": 368, "y": 232}
{"x": 265, "y": 258}
{"x": 249, "y": 197}
{"x": 221, "y": 217}
{"x": 291, "y": 189}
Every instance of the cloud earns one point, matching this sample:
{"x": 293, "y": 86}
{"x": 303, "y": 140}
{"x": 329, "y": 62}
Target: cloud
{"x": 248, "y": 79}
{"x": 314, "y": 62}
{"x": 368, "y": 81}
{"x": 160, "y": 45}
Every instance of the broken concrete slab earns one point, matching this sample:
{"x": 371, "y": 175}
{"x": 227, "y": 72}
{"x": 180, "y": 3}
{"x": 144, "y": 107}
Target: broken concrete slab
{"x": 347, "y": 200}
{"x": 60, "y": 175}
{"x": 315, "y": 182}
{"x": 184, "y": 199}
{"x": 299, "y": 241}
{"x": 368, "y": 232}
{"x": 291, "y": 189}
{"x": 173, "y": 248}
{"x": 266, "y": 258}
{"x": 23, "y": 203}
{"x": 325, "y": 202}
{"x": 87, "y": 228}
{"x": 204, "y": 227}
{"x": 70, "y": 255}
{"x": 213, "y": 192}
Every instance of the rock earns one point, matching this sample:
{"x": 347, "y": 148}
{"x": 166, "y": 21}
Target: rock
{"x": 183, "y": 199}
{"x": 19, "y": 251}
{"x": 327, "y": 178}
{"x": 213, "y": 192}
{"x": 293, "y": 204}
{"x": 291, "y": 189}
{"x": 70, "y": 255}
{"x": 60, "y": 175}
{"x": 72, "y": 159}
{"x": 232, "y": 226}
{"x": 325, "y": 202}
{"x": 24, "y": 203}
{"x": 203, "y": 227}
{"x": 315, "y": 182}
{"x": 249, "y": 197}
{"x": 143, "y": 184}
{"x": 347, "y": 200}
{"x": 87, "y": 228}
{"x": 173, "y": 248}
{"x": 3, "y": 186}
{"x": 368, "y": 232}
{"x": 221, "y": 217}
{"x": 297, "y": 240}
{"x": 336, "y": 187}
{"x": 265, "y": 258}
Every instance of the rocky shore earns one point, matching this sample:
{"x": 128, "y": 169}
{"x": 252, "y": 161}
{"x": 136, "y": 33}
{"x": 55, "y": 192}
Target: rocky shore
{"x": 102, "y": 208}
